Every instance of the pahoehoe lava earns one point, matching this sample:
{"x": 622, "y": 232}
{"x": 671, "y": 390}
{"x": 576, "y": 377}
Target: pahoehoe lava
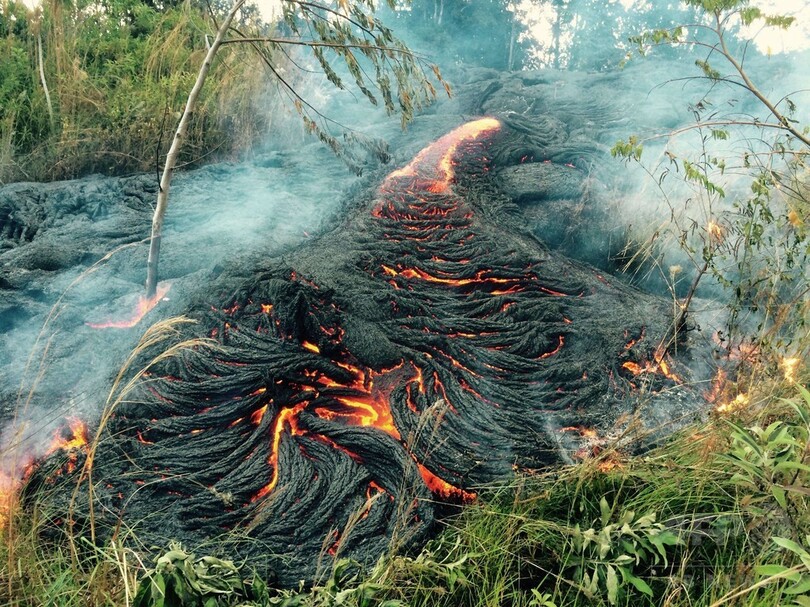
{"x": 425, "y": 346}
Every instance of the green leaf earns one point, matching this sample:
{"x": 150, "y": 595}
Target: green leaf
{"x": 790, "y": 545}
{"x": 637, "y": 582}
{"x": 604, "y": 510}
{"x": 790, "y": 465}
{"x": 612, "y": 584}
{"x": 802, "y": 587}
{"x": 769, "y": 570}
{"x": 779, "y": 495}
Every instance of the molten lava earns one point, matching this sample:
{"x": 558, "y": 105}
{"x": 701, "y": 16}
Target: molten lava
{"x": 435, "y": 162}
{"x": 425, "y": 349}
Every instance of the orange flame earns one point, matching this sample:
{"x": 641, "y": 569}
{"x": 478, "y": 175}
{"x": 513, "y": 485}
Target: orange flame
{"x": 790, "y": 367}
{"x": 70, "y": 438}
{"x": 142, "y": 308}
{"x": 738, "y": 402}
{"x": 659, "y": 366}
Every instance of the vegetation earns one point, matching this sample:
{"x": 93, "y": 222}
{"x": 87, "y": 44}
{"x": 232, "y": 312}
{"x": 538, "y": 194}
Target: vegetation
{"x": 717, "y": 516}
{"x": 117, "y": 73}
{"x": 350, "y": 33}
{"x": 743, "y": 217}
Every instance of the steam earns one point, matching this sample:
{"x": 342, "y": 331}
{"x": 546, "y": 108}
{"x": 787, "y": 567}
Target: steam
{"x": 56, "y": 363}
{"x": 52, "y": 364}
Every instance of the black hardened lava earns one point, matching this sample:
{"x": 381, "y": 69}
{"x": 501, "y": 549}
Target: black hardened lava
{"x": 427, "y": 345}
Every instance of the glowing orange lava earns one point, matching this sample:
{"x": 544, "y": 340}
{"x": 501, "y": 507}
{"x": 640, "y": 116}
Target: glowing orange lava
{"x": 142, "y": 308}
{"x": 437, "y": 158}
{"x": 286, "y": 418}
{"x": 443, "y": 488}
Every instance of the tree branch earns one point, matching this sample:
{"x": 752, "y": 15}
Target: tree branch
{"x": 174, "y": 152}
{"x": 754, "y": 90}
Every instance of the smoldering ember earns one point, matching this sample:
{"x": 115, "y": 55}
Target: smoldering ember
{"x": 435, "y": 336}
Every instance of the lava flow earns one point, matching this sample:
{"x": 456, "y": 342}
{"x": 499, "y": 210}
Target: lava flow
{"x": 424, "y": 348}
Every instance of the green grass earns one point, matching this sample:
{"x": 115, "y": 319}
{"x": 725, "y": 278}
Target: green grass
{"x": 689, "y": 524}
{"x": 117, "y": 80}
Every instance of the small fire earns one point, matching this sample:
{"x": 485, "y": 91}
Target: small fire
{"x": 142, "y": 308}
{"x": 739, "y": 402}
{"x": 70, "y": 438}
{"x": 715, "y": 232}
{"x": 790, "y": 367}
{"x": 718, "y": 386}
{"x": 74, "y": 436}
{"x": 659, "y": 365}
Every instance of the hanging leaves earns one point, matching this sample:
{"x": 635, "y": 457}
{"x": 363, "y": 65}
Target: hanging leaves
{"x": 346, "y": 35}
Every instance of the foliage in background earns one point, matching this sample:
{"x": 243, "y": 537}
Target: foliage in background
{"x": 118, "y": 73}
{"x": 743, "y": 219}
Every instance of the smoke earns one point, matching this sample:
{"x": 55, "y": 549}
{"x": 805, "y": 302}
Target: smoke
{"x": 53, "y": 364}
{"x": 75, "y": 254}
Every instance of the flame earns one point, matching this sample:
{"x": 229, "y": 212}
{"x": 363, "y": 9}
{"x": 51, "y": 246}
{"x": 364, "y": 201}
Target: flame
{"x": 609, "y": 462}
{"x": 10, "y": 490}
{"x": 70, "y": 438}
{"x": 660, "y": 365}
{"x": 715, "y": 232}
{"x": 740, "y": 401}
{"x": 790, "y": 367}
{"x": 142, "y": 308}
{"x": 718, "y": 395}
{"x": 718, "y": 385}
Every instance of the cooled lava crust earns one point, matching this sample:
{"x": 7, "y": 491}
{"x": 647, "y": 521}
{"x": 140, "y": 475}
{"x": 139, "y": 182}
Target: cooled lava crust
{"x": 425, "y": 346}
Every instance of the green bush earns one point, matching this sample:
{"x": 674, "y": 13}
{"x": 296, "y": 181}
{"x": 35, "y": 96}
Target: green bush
{"x": 118, "y": 73}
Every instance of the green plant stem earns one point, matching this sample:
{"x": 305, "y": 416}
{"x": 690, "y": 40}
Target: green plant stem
{"x": 768, "y": 580}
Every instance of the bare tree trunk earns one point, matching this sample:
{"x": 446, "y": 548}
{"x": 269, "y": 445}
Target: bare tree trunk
{"x": 44, "y": 82}
{"x": 174, "y": 151}
{"x": 512, "y": 43}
